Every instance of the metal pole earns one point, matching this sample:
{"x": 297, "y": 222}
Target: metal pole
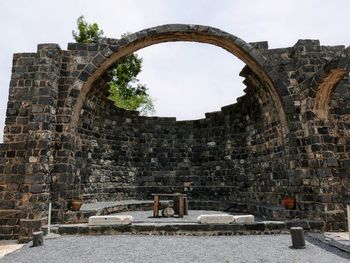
{"x": 348, "y": 210}
{"x": 49, "y": 221}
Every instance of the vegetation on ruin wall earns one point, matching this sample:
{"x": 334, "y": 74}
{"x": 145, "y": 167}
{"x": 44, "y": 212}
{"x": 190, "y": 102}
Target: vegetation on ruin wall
{"x": 125, "y": 89}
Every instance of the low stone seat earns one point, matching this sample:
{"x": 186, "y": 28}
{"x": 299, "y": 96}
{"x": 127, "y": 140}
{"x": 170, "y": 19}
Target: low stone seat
{"x": 215, "y": 219}
{"x": 110, "y": 220}
{"x": 243, "y": 219}
{"x": 225, "y": 219}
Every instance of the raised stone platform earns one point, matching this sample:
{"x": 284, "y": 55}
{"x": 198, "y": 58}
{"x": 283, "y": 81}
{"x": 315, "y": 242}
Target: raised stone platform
{"x": 144, "y": 223}
{"x": 277, "y": 212}
{"x": 107, "y": 208}
{"x": 267, "y": 211}
{"x": 265, "y": 227}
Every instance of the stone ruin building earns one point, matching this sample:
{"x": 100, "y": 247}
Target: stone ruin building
{"x": 291, "y": 130}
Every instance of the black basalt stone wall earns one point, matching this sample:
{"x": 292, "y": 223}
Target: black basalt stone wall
{"x": 235, "y": 154}
{"x": 64, "y": 138}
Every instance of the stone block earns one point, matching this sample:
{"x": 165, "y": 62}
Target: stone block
{"x": 243, "y": 219}
{"x": 215, "y": 219}
{"x": 110, "y": 220}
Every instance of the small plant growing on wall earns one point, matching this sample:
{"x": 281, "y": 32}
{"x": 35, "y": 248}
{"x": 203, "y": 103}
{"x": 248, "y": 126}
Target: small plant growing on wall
{"x": 125, "y": 89}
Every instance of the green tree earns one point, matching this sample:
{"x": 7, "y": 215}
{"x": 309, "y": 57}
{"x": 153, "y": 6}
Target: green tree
{"x": 125, "y": 89}
{"x": 87, "y": 33}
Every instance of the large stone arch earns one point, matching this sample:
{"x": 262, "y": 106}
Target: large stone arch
{"x": 116, "y": 49}
{"x": 324, "y": 82}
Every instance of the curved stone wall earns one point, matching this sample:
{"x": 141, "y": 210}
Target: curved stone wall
{"x": 64, "y": 138}
{"x": 227, "y": 156}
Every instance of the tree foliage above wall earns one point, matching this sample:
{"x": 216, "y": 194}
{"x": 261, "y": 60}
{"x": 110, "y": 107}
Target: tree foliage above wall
{"x": 125, "y": 89}
{"x": 87, "y": 33}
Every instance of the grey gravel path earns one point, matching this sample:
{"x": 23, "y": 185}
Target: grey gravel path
{"x": 171, "y": 249}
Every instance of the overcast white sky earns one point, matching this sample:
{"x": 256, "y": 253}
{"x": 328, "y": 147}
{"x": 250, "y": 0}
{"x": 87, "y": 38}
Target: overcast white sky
{"x": 187, "y": 79}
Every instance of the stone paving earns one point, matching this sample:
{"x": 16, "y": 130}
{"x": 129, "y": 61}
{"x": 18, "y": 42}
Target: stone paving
{"x": 340, "y": 237}
{"x": 8, "y": 246}
{"x": 339, "y": 240}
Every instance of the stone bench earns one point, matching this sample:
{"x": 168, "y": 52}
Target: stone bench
{"x": 215, "y": 219}
{"x": 110, "y": 220}
{"x": 225, "y": 219}
{"x": 243, "y": 219}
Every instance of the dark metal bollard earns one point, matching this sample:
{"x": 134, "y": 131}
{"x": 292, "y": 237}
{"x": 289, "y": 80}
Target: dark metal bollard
{"x": 297, "y": 234}
{"x": 38, "y": 238}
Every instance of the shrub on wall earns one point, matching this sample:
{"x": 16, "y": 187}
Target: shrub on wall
{"x": 125, "y": 90}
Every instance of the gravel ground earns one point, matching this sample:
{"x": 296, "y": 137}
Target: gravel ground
{"x": 268, "y": 248}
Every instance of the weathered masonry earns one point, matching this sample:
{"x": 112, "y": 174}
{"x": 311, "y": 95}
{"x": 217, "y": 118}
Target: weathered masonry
{"x": 63, "y": 137}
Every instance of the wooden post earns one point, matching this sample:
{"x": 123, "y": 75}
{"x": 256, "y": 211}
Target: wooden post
{"x": 155, "y": 205}
{"x": 181, "y": 206}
